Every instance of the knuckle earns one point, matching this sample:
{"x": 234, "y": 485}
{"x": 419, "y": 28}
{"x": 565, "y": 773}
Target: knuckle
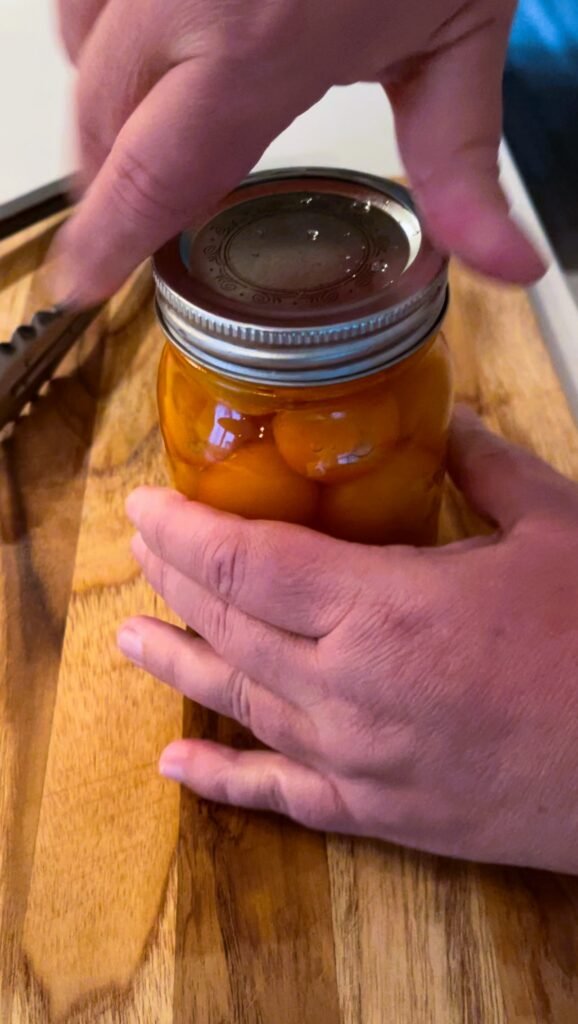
{"x": 328, "y": 810}
{"x": 216, "y": 624}
{"x": 238, "y": 697}
{"x": 226, "y": 564}
{"x": 275, "y": 796}
{"x": 139, "y": 192}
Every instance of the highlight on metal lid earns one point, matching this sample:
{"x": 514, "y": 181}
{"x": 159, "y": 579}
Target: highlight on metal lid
{"x": 303, "y": 276}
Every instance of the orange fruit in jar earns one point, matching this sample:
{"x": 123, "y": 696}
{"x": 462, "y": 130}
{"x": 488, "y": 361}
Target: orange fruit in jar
{"x": 256, "y": 483}
{"x": 195, "y": 425}
{"x": 424, "y": 394}
{"x": 340, "y": 440}
{"x": 212, "y": 434}
{"x": 221, "y": 430}
{"x": 396, "y": 503}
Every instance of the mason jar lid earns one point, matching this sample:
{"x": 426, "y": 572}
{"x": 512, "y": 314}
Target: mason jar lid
{"x": 303, "y": 276}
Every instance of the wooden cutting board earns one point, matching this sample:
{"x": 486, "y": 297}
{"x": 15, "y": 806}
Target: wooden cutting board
{"x": 124, "y": 901}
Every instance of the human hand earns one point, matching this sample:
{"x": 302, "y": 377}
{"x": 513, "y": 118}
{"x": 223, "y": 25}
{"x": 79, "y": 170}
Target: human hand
{"x": 178, "y": 99}
{"x": 427, "y": 697}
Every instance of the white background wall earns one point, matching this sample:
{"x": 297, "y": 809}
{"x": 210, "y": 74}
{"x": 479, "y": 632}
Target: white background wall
{"x": 34, "y": 94}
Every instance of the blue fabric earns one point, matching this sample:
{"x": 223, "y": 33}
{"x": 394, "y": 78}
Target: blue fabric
{"x": 545, "y": 37}
{"x": 541, "y": 115}
{"x": 543, "y": 59}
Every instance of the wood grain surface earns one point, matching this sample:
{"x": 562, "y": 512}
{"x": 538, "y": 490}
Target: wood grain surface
{"x": 123, "y": 901}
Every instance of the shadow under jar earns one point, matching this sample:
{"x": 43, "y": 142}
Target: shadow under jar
{"x": 305, "y": 377}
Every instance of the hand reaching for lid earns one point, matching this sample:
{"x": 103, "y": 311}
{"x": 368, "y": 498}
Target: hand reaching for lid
{"x": 178, "y": 99}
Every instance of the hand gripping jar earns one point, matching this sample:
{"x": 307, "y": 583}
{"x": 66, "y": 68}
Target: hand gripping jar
{"x": 305, "y": 377}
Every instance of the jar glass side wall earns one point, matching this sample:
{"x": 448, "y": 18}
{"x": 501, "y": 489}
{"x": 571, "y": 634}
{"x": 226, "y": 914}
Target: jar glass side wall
{"x": 363, "y": 461}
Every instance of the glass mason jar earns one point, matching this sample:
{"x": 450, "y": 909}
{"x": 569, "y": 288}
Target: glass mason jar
{"x": 305, "y": 377}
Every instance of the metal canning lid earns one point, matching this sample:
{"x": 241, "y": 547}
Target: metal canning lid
{"x": 303, "y": 277}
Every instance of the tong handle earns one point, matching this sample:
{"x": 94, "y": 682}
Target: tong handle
{"x": 34, "y": 351}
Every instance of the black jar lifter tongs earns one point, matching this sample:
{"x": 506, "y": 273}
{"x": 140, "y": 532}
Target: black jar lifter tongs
{"x": 29, "y": 358}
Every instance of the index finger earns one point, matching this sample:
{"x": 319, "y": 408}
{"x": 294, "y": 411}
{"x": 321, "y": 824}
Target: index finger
{"x": 286, "y": 576}
{"x": 189, "y": 142}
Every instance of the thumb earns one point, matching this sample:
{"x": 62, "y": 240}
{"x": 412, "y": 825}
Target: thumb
{"x": 502, "y": 482}
{"x": 449, "y": 123}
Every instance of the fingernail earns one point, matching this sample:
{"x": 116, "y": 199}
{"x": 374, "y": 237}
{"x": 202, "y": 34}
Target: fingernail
{"x": 171, "y": 768}
{"x": 130, "y": 644}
